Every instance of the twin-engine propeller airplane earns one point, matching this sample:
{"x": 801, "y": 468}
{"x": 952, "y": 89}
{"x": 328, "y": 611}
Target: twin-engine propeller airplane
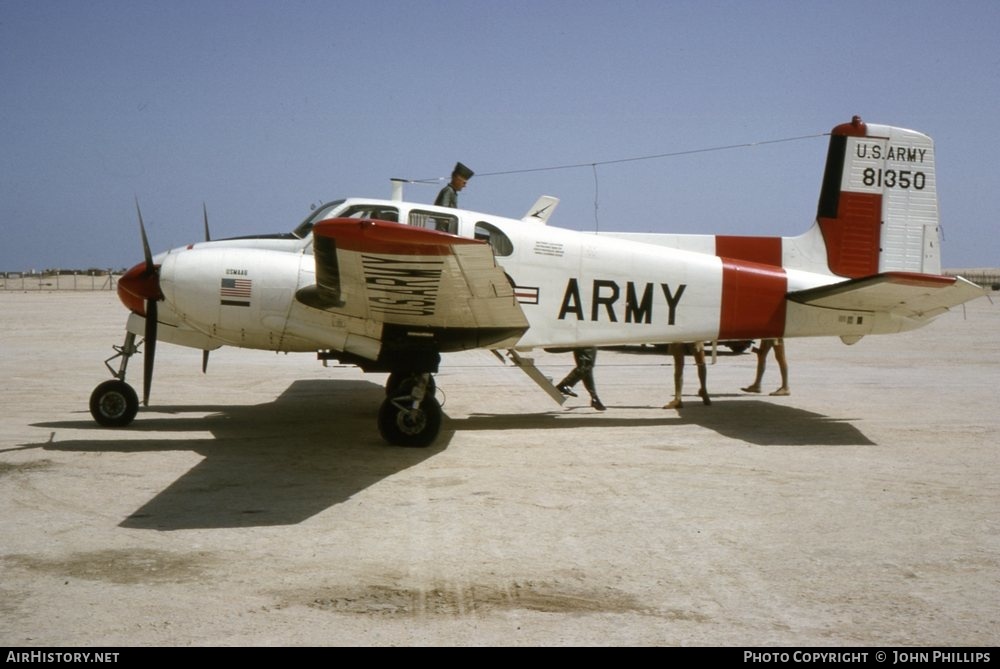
{"x": 390, "y": 285}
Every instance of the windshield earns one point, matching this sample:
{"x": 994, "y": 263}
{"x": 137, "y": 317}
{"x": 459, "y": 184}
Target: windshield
{"x": 303, "y": 229}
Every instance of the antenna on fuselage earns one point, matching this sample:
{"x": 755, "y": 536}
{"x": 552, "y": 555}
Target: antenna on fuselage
{"x": 397, "y": 189}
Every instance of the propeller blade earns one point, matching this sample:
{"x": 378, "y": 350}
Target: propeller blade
{"x": 204, "y": 211}
{"x": 145, "y": 284}
{"x": 147, "y": 254}
{"x": 149, "y": 354}
{"x": 204, "y": 361}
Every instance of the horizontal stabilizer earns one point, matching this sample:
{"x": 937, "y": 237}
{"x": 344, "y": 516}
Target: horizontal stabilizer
{"x": 901, "y": 293}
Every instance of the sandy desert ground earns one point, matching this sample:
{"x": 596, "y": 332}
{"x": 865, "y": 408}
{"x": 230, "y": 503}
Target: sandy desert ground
{"x": 257, "y": 505}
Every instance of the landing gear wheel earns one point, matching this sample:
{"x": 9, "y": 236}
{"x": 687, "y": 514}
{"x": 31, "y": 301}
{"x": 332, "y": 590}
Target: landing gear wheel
{"x": 114, "y": 403}
{"x": 402, "y": 425}
{"x": 392, "y": 383}
{"x": 401, "y": 383}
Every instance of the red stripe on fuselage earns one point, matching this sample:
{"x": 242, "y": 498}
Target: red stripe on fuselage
{"x": 373, "y": 236}
{"x": 764, "y": 250}
{"x": 753, "y": 300}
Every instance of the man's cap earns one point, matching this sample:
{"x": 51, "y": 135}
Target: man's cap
{"x": 462, "y": 171}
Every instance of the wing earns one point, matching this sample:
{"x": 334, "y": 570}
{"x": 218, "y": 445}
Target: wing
{"x": 913, "y": 296}
{"x": 411, "y": 287}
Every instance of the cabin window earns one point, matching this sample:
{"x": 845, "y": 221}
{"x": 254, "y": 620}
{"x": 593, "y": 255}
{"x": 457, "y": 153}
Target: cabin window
{"x": 492, "y": 235}
{"x": 377, "y": 212}
{"x": 434, "y": 221}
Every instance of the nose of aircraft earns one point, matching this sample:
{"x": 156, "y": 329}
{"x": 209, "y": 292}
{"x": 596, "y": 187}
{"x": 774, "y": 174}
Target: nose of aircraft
{"x": 137, "y": 285}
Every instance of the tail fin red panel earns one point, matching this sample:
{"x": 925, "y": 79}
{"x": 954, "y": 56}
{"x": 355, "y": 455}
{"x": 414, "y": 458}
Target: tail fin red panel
{"x": 853, "y": 236}
{"x": 850, "y": 222}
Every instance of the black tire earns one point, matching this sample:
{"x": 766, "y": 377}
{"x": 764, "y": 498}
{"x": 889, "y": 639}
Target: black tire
{"x": 410, "y": 428}
{"x": 393, "y": 381}
{"x": 114, "y": 404}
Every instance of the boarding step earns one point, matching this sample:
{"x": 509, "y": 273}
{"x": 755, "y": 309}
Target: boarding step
{"x": 527, "y": 366}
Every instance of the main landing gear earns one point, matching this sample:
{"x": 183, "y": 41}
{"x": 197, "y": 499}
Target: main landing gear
{"x": 114, "y": 403}
{"x": 410, "y": 415}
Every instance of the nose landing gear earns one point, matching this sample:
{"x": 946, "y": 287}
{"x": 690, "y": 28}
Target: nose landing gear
{"x": 114, "y": 403}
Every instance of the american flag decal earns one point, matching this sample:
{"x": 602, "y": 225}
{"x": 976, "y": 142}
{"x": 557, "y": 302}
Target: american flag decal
{"x": 235, "y": 292}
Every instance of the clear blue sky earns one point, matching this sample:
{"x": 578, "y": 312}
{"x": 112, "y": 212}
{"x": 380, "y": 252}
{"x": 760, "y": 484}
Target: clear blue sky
{"x": 260, "y": 109}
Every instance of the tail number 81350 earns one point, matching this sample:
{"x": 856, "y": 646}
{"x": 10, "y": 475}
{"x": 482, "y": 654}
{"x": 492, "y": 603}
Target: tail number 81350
{"x": 894, "y": 178}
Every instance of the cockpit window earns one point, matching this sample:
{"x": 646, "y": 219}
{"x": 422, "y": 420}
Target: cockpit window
{"x": 492, "y": 235}
{"x": 434, "y": 221}
{"x": 303, "y": 229}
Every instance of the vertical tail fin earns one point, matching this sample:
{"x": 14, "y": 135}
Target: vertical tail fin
{"x": 878, "y": 207}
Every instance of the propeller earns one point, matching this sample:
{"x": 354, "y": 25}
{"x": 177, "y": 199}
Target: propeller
{"x": 208, "y": 238}
{"x": 149, "y": 335}
{"x": 150, "y": 352}
{"x": 204, "y": 211}
{"x": 139, "y": 289}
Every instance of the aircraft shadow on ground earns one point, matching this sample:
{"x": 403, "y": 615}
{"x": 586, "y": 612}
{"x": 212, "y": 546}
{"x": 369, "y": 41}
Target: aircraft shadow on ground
{"x": 317, "y": 445}
{"x": 278, "y": 463}
{"x": 753, "y": 421}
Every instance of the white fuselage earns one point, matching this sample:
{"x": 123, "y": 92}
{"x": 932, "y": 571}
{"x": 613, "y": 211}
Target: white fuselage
{"x": 575, "y": 288}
